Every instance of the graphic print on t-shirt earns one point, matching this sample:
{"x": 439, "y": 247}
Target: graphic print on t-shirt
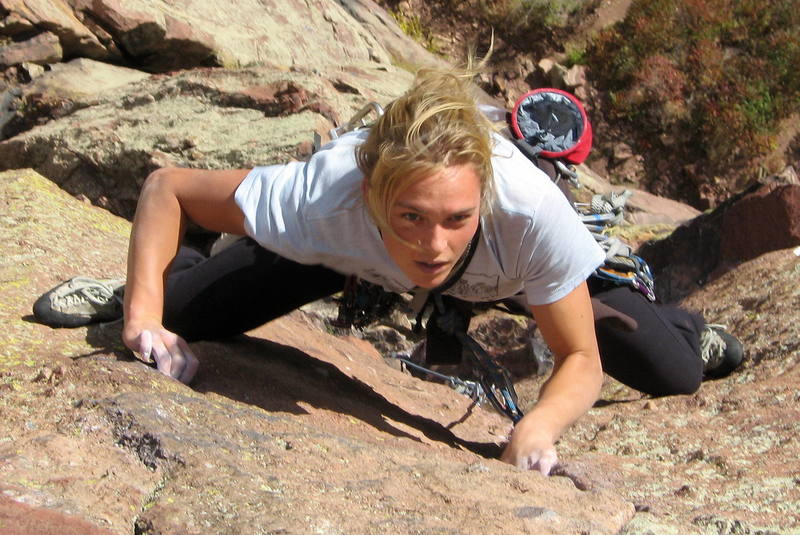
{"x": 476, "y": 287}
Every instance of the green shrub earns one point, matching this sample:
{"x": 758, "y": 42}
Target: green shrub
{"x": 531, "y": 20}
{"x": 576, "y": 55}
{"x": 412, "y": 26}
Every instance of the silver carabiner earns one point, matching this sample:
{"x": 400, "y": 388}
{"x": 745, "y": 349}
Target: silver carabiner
{"x": 359, "y": 120}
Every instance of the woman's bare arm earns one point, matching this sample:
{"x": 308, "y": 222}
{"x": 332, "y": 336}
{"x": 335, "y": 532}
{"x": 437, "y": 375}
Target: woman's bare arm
{"x": 568, "y": 328}
{"x": 169, "y": 199}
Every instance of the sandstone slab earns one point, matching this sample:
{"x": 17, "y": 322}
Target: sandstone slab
{"x": 162, "y": 36}
{"x": 42, "y": 49}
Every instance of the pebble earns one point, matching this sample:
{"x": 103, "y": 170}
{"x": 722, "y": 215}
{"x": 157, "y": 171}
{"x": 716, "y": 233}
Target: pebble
{"x": 536, "y": 512}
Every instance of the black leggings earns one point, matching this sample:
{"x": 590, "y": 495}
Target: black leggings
{"x": 245, "y": 286}
{"x": 662, "y": 355}
{"x": 241, "y": 288}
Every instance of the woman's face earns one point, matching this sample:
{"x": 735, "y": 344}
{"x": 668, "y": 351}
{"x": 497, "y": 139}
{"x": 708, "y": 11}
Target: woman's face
{"x": 439, "y": 214}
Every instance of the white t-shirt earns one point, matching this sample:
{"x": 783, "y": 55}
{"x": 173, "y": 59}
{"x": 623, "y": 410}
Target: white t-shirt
{"x": 313, "y": 213}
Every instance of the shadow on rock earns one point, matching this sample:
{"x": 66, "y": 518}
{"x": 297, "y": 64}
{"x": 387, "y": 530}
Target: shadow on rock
{"x": 280, "y": 378}
{"x": 107, "y": 338}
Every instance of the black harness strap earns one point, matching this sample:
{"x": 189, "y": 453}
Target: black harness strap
{"x": 454, "y": 277}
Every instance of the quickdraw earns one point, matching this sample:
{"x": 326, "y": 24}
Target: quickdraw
{"x": 471, "y": 389}
{"x": 493, "y": 382}
{"x": 493, "y": 378}
{"x": 621, "y": 266}
{"x": 640, "y": 278}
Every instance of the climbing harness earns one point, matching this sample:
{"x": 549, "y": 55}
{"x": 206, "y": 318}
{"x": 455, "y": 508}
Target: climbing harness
{"x": 363, "y": 303}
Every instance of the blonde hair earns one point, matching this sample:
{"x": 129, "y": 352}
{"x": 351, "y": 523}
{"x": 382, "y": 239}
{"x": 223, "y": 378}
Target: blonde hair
{"x": 436, "y": 124}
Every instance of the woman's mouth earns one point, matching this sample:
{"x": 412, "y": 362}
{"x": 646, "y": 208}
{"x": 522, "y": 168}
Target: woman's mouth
{"x": 431, "y": 267}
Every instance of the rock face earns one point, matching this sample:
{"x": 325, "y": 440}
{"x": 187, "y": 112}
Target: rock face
{"x": 163, "y": 36}
{"x": 291, "y": 429}
{"x": 287, "y": 429}
{"x": 107, "y": 143}
{"x": 763, "y": 218}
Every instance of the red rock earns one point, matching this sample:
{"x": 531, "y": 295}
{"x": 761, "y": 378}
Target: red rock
{"x": 765, "y": 220}
{"x": 21, "y": 519}
{"x": 42, "y": 49}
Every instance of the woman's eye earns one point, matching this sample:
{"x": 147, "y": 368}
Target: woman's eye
{"x": 410, "y": 216}
{"x": 459, "y": 218}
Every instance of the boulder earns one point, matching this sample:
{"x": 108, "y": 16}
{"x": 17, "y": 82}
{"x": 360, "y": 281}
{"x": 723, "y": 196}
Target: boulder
{"x": 155, "y": 39}
{"x": 760, "y": 219}
{"x": 81, "y": 78}
{"x": 766, "y": 220}
{"x": 57, "y": 17}
{"x": 62, "y": 90}
{"x": 42, "y": 49}
{"x": 575, "y": 77}
{"x": 104, "y": 145}
{"x": 546, "y": 65}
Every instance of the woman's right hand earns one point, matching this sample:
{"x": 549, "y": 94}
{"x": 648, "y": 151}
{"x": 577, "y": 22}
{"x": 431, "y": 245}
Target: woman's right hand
{"x": 169, "y": 200}
{"x": 151, "y": 342}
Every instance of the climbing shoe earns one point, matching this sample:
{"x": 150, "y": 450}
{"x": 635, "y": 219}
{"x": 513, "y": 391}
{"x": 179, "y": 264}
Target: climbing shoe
{"x": 80, "y": 301}
{"x": 721, "y": 352}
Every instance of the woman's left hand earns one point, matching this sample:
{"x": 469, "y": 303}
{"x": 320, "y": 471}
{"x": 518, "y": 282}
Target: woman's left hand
{"x": 530, "y": 448}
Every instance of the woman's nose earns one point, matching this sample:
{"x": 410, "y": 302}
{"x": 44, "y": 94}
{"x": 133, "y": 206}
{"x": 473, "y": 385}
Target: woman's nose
{"x": 435, "y": 239}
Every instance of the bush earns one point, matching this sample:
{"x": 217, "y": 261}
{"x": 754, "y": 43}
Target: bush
{"x": 549, "y": 14}
{"x": 532, "y": 23}
{"x": 719, "y": 73}
{"x": 412, "y": 26}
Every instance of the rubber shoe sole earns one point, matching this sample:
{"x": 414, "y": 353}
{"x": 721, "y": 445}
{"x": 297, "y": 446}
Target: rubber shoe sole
{"x": 732, "y": 359}
{"x": 56, "y": 309}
